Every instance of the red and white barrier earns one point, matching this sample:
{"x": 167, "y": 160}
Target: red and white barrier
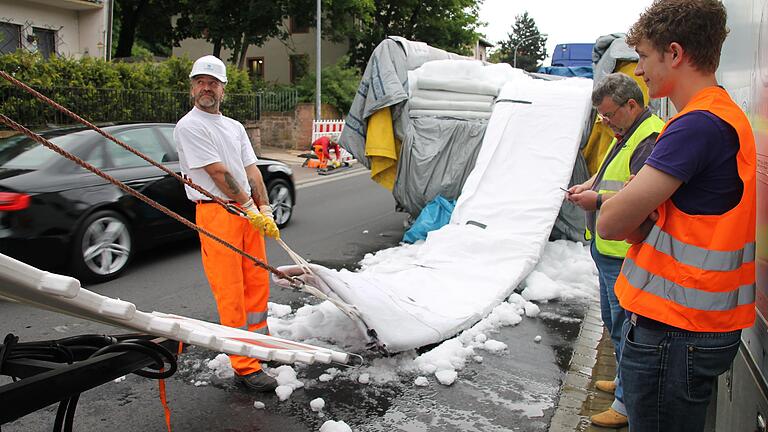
{"x": 332, "y": 129}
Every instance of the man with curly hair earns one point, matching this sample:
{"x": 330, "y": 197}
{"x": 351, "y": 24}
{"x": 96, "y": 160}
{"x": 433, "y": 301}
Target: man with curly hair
{"x": 688, "y": 281}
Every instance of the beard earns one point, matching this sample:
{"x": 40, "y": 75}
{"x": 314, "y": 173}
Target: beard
{"x": 207, "y": 100}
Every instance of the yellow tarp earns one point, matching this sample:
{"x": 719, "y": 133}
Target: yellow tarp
{"x": 601, "y": 135}
{"x": 597, "y": 146}
{"x": 382, "y": 148}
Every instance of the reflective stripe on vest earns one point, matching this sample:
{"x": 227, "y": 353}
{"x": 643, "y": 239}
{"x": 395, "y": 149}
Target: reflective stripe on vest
{"x": 615, "y": 175}
{"x": 688, "y": 297}
{"x": 695, "y": 256}
{"x": 612, "y": 185}
{"x": 697, "y": 272}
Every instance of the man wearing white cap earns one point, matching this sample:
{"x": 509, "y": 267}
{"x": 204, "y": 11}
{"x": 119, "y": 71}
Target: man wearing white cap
{"x": 216, "y": 154}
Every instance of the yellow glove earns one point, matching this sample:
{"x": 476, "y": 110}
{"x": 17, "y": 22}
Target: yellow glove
{"x": 256, "y": 219}
{"x": 270, "y": 227}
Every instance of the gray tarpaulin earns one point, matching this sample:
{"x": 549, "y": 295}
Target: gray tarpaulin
{"x": 436, "y": 158}
{"x": 385, "y": 83}
{"x": 571, "y": 223}
{"x": 608, "y": 50}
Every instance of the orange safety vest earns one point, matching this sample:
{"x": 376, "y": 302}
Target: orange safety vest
{"x": 697, "y": 272}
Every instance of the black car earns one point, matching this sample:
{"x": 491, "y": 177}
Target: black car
{"x": 59, "y": 216}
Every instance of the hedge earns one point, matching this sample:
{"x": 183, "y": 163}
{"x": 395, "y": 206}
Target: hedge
{"x": 102, "y": 91}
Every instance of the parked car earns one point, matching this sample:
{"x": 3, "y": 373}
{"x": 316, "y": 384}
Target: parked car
{"x": 59, "y": 216}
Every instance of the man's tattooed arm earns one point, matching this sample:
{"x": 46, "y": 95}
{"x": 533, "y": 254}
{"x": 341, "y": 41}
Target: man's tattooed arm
{"x": 226, "y": 182}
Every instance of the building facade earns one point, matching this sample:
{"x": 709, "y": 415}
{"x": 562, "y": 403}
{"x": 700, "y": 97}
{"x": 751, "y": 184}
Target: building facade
{"x": 70, "y": 28}
{"x": 279, "y": 61}
{"x": 480, "y": 50}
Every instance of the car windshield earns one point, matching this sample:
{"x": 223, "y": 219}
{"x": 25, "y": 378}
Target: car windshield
{"x": 21, "y": 152}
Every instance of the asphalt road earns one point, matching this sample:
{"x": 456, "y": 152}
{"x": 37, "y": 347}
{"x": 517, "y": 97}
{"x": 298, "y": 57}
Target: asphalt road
{"x": 336, "y": 222}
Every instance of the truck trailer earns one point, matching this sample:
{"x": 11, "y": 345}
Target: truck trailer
{"x": 742, "y": 392}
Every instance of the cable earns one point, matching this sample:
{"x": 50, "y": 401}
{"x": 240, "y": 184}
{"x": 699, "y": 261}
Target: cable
{"x": 83, "y": 347}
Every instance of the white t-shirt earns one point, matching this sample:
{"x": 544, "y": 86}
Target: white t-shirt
{"x": 202, "y": 139}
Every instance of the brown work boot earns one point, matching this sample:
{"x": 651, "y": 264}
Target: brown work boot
{"x": 257, "y": 381}
{"x": 609, "y": 418}
{"x": 606, "y": 386}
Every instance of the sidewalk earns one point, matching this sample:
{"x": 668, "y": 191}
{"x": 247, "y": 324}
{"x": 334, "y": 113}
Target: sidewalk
{"x": 291, "y": 158}
{"x": 592, "y": 360}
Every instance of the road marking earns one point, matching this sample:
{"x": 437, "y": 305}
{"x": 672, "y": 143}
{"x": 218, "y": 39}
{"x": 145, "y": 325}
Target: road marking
{"x": 331, "y": 177}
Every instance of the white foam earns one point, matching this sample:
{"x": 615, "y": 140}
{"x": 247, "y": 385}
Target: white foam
{"x": 446, "y": 377}
{"x": 332, "y": 327}
{"x": 317, "y": 404}
{"x": 278, "y": 310}
{"x": 335, "y": 426}
{"x": 283, "y": 392}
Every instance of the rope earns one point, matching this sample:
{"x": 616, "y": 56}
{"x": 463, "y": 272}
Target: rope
{"x": 298, "y": 259}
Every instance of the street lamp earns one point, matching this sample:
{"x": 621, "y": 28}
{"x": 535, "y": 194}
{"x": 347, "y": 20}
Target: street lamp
{"x": 514, "y": 57}
{"x": 318, "y": 67}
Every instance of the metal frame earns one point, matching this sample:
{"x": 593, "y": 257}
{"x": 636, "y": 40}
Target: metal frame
{"x": 44, "y": 383}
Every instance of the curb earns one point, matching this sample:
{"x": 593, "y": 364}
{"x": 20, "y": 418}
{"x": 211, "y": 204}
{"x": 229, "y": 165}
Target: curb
{"x": 574, "y": 391}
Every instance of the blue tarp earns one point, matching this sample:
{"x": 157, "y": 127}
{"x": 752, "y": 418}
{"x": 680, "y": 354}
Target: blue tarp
{"x": 573, "y": 71}
{"x": 433, "y": 216}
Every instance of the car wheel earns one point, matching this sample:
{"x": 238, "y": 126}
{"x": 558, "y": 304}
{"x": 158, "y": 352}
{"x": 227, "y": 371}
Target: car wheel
{"x": 280, "y": 197}
{"x": 103, "y": 247}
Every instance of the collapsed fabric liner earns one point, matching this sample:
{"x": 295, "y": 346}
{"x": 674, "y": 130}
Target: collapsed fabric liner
{"x": 442, "y": 95}
{"x": 498, "y": 229}
{"x": 450, "y": 105}
{"x": 449, "y": 114}
{"x": 457, "y": 85}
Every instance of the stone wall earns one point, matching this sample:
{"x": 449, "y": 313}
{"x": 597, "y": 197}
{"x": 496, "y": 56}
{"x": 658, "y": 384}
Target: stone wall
{"x": 277, "y": 130}
{"x": 254, "y": 134}
{"x": 287, "y": 130}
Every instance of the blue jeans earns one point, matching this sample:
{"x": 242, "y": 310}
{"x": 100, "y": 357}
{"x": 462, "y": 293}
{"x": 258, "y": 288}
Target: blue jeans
{"x": 612, "y": 313}
{"x": 672, "y": 375}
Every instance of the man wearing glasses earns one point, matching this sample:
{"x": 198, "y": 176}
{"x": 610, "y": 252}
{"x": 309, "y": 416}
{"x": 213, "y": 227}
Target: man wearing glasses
{"x": 619, "y": 102}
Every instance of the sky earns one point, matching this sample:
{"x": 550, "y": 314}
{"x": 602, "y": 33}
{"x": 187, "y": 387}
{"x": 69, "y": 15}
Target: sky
{"x": 564, "y": 21}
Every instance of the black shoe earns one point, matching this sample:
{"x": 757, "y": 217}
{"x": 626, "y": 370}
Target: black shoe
{"x": 257, "y": 381}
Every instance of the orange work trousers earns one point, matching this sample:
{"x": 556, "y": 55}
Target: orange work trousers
{"x": 240, "y": 288}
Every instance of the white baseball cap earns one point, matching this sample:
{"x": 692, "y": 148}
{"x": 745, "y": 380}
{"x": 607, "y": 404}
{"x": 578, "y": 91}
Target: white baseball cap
{"x": 209, "y": 65}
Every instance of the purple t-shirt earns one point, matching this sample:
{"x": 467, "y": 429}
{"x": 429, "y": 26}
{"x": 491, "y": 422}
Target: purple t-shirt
{"x": 700, "y": 149}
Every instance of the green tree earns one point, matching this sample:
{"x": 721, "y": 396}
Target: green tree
{"x": 530, "y": 45}
{"x": 446, "y": 24}
{"x": 144, "y": 26}
{"x": 253, "y": 22}
{"x": 339, "y": 85}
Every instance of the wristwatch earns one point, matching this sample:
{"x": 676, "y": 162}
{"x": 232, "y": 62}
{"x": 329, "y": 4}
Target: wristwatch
{"x": 599, "y": 201}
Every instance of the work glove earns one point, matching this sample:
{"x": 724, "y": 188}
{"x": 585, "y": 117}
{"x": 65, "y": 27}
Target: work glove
{"x": 257, "y": 220}
{"x": 270, "y": 227}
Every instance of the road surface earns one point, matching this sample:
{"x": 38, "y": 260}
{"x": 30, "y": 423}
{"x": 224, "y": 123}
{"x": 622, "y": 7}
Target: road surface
{"x": 336, "y": 222}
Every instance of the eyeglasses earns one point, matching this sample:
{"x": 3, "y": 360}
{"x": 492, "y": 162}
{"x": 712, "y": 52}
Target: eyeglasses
{"x": 609, "y": 115}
